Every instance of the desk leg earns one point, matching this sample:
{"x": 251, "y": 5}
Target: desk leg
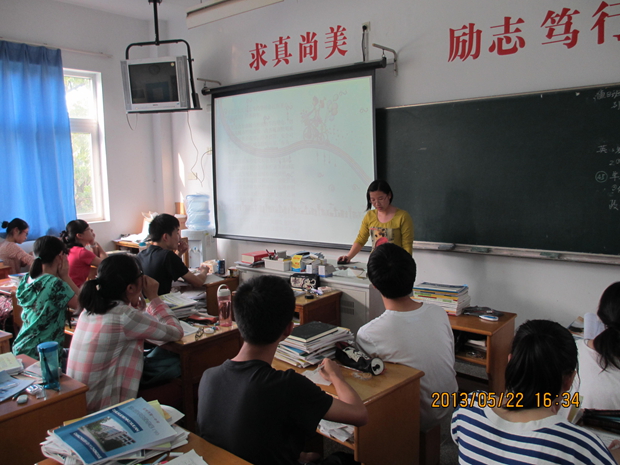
{"x": 189, "y": 407}
{"x": 497, "y": 354}
{"x": 392, "y": 435}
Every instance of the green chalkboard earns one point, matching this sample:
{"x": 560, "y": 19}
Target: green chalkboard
{"x": 531, "y": 171}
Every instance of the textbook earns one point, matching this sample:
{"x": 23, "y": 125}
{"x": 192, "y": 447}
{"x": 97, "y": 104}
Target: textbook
{"x": 311, "y": 331}
{"x": 450, "y": 289}
{"x": 606, "y": 419}
{"x": 453, "y": 298}
{"x": 176, "y": 300}
{"x": 251, "y": 257}
{"x": 10, "y": 363}
{"x": 303, "y": 354}
{"x": 115, "y": 432}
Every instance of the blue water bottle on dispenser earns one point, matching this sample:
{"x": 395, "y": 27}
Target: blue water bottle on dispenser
{"x": 48, "y": 355}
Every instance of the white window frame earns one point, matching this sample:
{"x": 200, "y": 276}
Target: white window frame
{"x": 95, "y": 128}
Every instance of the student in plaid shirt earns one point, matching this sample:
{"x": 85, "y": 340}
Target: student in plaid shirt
{"x": 106, "y": 352}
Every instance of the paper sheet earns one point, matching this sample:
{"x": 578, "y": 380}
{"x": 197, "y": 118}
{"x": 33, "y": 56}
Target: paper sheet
{"x": 188, "y": 458}
{"x": 187, "y": 328}
{"x": 315, "y": 377}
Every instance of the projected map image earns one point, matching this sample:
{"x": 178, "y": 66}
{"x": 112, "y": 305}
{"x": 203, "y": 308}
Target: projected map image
{"x": 296, "y": 161}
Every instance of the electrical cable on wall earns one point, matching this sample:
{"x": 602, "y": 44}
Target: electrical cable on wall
{"x": 199, "y": 159}
{"x": 129, "y": 122}
{"x": 364, "y": 43}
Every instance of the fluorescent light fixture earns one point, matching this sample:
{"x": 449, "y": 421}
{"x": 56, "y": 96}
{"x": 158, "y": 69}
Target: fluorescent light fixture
{"x": 214, "y": 10}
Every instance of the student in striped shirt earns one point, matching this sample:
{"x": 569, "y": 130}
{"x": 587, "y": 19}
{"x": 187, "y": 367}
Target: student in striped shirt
{"x": 525, "y": 428}
{"x": 106, "y": 351}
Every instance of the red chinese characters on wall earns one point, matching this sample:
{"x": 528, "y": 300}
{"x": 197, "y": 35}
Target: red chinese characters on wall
{"x": 507, "y": 41}
{"x": 558, "y": 27}
{"x": 602, "y": 14}
{"x": 335, "y": 43}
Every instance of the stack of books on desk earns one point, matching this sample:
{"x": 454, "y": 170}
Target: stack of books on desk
{"x": 129, "y": 433}
{"x": 181, "y": 306}
{"x": 452, "y": 298}
{"x": 309, "y": 344}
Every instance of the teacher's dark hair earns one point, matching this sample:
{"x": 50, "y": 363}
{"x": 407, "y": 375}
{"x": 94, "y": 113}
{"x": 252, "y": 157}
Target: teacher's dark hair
{"x": 18, "y": 223}
{"x": 46, "y": 249}
{"x": 69, "y": 236}
{"x": 392, "y": 270}
{"x": 607, "y": 344}
{"x": 378, "y": 185}
{"x": 543, "y": 355}
{"x": 263, "y": 307}
{"x": 116, "y": 272}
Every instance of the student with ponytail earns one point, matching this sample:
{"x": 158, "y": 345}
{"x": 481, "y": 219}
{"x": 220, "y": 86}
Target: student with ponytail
{"x": 599, "y": 358}
{"x": 84, "y": 252}
{"x": 11, "y": 253}
{"x": 44, "y": 295}
{"x": 107, "y": 347}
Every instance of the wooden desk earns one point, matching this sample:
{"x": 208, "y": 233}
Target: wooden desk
{"x": 392, "y": 435}
{"x": 25, "y": 426}
{"x": 5, "y": 345}
{"x": 213, "y": 455}
{"x": 499, "y": 336}
{"x": 325, "y": 308}
{"x": 5, "y": 270}
{"x": 196, "y": 356}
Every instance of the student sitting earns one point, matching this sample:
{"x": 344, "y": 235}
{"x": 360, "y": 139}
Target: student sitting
{"x": 44, "y": 295}
{"x": 84, "y": 252}
{"x": 11, "y": 253}
{"x": 408, "y": 332}
{"x": 261, "y": 414}
{"x": 599, "y": 358}
{"x": 160, "y": 261}
{"x": 525, "y": 428}
{"x": 106, "y": 351}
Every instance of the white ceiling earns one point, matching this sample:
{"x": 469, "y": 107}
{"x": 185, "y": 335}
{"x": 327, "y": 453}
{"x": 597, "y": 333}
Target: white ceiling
{"x": 140, "y": 9}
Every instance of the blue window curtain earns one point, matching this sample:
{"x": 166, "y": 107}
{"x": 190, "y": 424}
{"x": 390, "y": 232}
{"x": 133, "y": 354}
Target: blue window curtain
{"x": 36, "y": 159}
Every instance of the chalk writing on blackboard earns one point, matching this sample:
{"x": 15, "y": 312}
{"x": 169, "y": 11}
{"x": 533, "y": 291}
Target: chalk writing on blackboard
{"x": 610, "y": 174}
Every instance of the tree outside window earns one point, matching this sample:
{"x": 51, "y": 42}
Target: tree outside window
{"x": 82, "y": 90}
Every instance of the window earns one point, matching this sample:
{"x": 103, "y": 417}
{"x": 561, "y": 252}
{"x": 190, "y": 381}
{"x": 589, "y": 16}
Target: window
{"x": 83, "y": 93}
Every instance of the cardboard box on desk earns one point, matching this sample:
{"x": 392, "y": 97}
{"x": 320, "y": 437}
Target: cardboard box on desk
{"x": 326, "y": 270}
{"x": 297, "y": 263}
{"x": 281, "y": 264}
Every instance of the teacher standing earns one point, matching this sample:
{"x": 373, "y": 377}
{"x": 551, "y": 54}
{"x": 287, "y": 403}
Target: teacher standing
{"x": 385, "y": 223}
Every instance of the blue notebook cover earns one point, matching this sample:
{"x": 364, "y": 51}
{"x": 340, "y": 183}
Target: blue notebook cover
{"x": 116, "y": 431}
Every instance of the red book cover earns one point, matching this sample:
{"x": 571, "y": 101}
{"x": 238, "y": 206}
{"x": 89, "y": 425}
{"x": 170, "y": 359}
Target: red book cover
{"x": 251, "y": 257}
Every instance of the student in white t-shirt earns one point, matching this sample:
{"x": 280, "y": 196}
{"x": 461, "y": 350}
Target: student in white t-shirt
{"x": 599, "y": 358}
{"x": 409, "y": 332}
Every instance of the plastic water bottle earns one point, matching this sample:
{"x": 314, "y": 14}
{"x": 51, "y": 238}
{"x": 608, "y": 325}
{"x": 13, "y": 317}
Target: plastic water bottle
{"x": 50, "y": 367}
{"x": 224, "y": 304}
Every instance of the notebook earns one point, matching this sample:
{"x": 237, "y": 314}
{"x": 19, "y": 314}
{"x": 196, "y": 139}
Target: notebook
{"x": 311, "y": 331}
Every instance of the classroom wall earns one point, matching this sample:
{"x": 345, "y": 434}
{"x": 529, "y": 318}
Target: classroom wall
{"x": 139, "y": 160}
{"x": 419, "y": 32}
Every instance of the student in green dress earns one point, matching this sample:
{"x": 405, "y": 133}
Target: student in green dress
{"x": 44, "y": 295}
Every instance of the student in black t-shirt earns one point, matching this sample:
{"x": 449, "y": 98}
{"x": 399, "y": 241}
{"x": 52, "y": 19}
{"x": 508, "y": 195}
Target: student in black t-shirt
{"x": 162, "y": 261}
{"x": 258, "y": 413}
